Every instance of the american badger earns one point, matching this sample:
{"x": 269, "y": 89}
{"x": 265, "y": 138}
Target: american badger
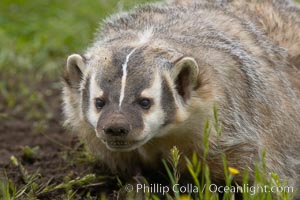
{"x": 151, "y": 78}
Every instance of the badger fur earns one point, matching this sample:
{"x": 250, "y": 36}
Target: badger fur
{"x": 151, "y": 78}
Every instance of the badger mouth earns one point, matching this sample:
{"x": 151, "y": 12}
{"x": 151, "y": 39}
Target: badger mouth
{"x": 121, "y": 145}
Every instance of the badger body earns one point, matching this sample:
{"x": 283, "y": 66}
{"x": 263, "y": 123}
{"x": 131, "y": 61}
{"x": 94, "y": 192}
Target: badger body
{"x": 152, "y": 76}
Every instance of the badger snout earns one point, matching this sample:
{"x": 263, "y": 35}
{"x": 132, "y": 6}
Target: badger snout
{"x": 114, "y": 126}
{"x": 116, "y": 129}
{"x": 115, "y": 133}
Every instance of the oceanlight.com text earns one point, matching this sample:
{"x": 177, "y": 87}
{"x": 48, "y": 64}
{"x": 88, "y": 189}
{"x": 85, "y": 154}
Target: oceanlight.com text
{"x": 193, "y": 189}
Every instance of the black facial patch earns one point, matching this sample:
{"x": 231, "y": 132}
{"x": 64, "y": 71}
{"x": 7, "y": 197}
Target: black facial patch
{"x": 138, "y": 75}
{"x": 167, "y": 102}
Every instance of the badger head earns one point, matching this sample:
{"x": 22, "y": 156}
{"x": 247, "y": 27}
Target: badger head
{"x": 129, "y": 95}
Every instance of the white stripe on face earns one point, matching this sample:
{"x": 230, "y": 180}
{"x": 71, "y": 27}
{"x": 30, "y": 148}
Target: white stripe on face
{"x": 155, "y": 117}
{"x": 123, "y": 82}
{"x": 95, "y": 92}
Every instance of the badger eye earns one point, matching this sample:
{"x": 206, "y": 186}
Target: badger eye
{"x": 99, "y": 103}
{"x": 145, "y": 103}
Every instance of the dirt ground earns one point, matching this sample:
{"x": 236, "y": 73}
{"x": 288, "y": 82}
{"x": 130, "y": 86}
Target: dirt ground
{"x": 60, "y": 153}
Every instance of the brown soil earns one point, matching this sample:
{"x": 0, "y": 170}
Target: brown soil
{"x": 57, "y": 157}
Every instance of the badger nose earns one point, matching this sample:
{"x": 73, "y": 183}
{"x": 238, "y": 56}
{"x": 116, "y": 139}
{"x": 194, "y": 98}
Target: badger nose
{"x": 117, "y": 130}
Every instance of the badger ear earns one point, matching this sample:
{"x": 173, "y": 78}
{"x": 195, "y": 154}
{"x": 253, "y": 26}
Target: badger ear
{"x": 74, "y": 70}
{"x": 185, "y": 76}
